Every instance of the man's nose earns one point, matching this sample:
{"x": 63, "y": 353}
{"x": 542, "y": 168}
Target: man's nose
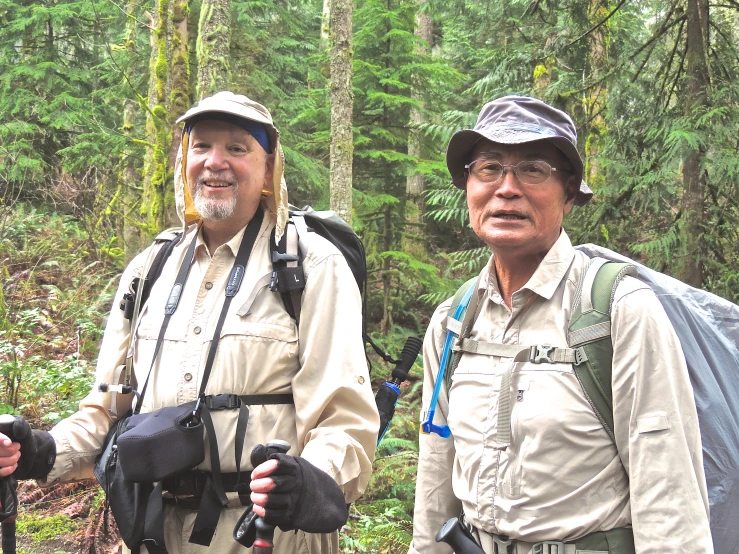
{"x": 216, "y": 160}
{"x": 509, "y": 185}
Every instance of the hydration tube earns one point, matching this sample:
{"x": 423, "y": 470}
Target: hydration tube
{"x": 427, "y": 425}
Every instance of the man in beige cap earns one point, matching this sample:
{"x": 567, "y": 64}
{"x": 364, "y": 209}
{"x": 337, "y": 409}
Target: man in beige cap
{"x": 527, "y": 460}
{"x": 262, "y": 376}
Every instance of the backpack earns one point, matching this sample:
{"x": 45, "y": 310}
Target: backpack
{"x": 708, "y": 329}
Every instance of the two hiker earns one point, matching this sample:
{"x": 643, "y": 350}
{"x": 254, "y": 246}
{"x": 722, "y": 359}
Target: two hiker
{"x": 529, "y": 463}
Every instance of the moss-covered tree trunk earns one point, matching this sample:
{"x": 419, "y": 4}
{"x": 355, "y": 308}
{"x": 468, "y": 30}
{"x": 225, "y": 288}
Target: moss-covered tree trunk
{"x": 415, "y": 183}
{"x": 342, "y": 100}
{"x": 213, "y": 47}
{"x": 158, "y": 127}
{"x": 689, "y": 267}
{"x": 597, "y": 97}
{"x": 180, "y": 94}
{"x": 129, "y": 189}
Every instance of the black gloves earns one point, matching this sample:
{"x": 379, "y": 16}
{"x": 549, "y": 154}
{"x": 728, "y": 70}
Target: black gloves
{"x": 38, "y": 451}
{"x": 304, "y": 496}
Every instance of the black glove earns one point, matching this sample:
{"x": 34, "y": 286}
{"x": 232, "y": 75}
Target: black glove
{"x": 304, "y": 497}
{"x": 38, "y": 451}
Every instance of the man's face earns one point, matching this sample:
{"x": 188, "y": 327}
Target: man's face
{"x": 513, "y": 217}
{"x": 226, "y": 171}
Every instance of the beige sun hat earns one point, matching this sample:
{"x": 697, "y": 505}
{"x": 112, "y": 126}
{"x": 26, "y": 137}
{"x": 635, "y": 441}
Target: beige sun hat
{"x": 236, "y": 105}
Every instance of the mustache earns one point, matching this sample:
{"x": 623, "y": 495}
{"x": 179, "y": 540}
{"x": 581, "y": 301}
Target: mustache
{"x": 225, "y": 175}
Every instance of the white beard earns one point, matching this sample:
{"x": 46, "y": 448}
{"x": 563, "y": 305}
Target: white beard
{"x": 214, "y": 209}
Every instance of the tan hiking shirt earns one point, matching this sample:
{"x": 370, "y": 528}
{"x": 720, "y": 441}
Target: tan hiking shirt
{"x": 334, "y": 421}
{"x": 562, "y": 477}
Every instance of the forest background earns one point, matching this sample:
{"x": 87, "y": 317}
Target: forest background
{"x": 366, "y": 96}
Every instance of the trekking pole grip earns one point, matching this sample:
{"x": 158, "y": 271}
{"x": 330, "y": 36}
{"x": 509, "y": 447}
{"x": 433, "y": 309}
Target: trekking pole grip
{"x": 264, "y": 543}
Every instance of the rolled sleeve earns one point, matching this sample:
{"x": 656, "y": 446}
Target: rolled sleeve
{"x": 656, "y": 427}
{"x": 336, "y": 417}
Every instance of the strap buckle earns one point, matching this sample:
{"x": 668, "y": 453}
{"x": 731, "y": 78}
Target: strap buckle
{"x": 548, "y": 547}
{"x": 277, "y": 257}
{"x": 541, "y": 353}
{"x": 502, "y": 544}
{"x": 217, "y": 402}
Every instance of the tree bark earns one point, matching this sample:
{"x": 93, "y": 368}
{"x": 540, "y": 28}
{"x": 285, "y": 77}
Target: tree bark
{"x": 129, "y": 190}
{"x": 179, "y": 97}
{"x": 158, "y": 126}
{"x": 690, "y": 263}
{"x": 342, "y": 100}
{"x": 415, "y": 183}
{"x": 213, "y": 47}
{"x": 597, "y": 96}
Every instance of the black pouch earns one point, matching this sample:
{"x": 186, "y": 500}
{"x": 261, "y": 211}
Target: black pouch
{"x": 160, "y": 444}
{"x": 127, "y": 500}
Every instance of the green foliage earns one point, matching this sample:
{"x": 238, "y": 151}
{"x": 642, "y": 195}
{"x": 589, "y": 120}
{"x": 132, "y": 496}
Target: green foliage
{"x": 42, "y": 529}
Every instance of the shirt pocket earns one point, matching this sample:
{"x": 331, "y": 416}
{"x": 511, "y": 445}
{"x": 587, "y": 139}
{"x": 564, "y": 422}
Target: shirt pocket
{"x": 256, "y": 357}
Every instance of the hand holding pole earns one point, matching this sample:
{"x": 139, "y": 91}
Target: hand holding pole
{"x": 264, "y": 543}
{"x": 10, "y": 500}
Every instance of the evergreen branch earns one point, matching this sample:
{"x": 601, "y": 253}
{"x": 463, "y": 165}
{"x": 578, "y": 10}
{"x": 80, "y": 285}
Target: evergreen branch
{"x": 666, "y": 26}
{"x": 720, "y": 33}
{"x": 680, "y": 70}
{"x": 598, "y": 25}
{"x": 669, "y": 63}
{"x": 130, "y": 15}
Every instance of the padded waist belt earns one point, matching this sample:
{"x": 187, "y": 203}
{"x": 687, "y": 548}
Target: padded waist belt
{"x": 193, "y": 483}
{"x": 614, "y": 541}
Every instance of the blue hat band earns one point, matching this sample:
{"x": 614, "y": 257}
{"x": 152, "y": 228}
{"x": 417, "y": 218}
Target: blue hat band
{"x": 255, "y": 129}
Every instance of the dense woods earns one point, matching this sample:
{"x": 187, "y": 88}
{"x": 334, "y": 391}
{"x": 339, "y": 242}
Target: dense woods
{"x": 366, "y": 96}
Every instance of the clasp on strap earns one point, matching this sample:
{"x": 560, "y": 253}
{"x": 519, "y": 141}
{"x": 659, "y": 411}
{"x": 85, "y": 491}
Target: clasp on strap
{"x": 502, "y": 544}
{"x": 541, "y": 353}
{"x": 580, "y": 356}
{"x": 548, "y": 547}
{"x": 222, "y": 402}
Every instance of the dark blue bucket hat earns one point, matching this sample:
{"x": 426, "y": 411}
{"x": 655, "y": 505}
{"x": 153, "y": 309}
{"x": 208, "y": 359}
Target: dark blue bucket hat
{"x": 516, "y": 120}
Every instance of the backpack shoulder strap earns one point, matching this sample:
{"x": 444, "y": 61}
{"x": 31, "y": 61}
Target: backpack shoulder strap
{"x": 455, "y": 322}
{"x": 287, "y": 266}
{"x": 589, "y": 328}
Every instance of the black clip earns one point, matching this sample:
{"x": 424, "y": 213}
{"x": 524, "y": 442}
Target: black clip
{"x": 217, "y": 402}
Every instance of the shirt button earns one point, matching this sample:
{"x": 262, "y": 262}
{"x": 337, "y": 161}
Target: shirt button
{"x": 197, "y": 330}
{"x": 188, "y": 376}
{"x": 208, "y": 285}
{"x": 360, "y": 380}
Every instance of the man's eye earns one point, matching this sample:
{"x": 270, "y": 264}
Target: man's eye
{"x": 198, "y": 145}
{"x": 532, "y": 169}
{"x": 489, "y": 167}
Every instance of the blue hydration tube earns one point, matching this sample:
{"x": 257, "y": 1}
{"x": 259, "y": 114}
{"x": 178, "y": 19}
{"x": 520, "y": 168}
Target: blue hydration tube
{"x": 427, "y": 425}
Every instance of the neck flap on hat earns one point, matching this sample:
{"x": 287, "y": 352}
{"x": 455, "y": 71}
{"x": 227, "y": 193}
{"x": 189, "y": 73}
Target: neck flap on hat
{"x": 274, "y": 199}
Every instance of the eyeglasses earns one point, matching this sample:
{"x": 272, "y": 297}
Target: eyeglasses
{"x": 529, "y": 172}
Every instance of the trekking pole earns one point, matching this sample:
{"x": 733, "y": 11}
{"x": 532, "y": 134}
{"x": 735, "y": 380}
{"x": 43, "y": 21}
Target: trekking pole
{"x": 9, "y": 497}
{"x": 264, "y": 543}
{"x": 389, "y": 392}
{"x": 456, "y": 535}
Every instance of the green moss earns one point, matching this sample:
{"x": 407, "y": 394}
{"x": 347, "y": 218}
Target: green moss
{"x": 41, "y": 529}
{"x": 539, "y": 71}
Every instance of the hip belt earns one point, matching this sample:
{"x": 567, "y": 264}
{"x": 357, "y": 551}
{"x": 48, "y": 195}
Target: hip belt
{"x": 186, "y": 490}
{"x": 614, "y": 541}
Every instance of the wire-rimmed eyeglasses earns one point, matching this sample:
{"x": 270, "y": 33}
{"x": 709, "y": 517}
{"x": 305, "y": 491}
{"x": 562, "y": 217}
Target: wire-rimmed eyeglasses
{"x": 529, "y": 172}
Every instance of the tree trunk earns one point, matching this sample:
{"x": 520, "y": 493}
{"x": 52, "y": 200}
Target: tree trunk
{"x": 690, "y": 265}
{"x": 179, "y": 98}
{"x": 597, "y": 96}
{"x": 129, "y": 190}
{"x": 415, "y": 183}
{"x": 325, "y": 22}
{"x": 213, "y": 47}
{"x": 342, "y": 142}
{"x": 158, "y": 127}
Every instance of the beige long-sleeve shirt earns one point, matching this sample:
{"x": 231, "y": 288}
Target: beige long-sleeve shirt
{"x": 334, "y": 421}
{"x": 563, "y": 477}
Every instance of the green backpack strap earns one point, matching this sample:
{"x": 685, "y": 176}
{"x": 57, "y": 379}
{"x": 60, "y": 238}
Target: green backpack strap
{"x": 460, "y": 318}
{"x": 590, "y": 329}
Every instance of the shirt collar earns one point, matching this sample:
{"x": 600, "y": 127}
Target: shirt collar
{"x": 235, "y": 242}
{"x": 546, "y": 278}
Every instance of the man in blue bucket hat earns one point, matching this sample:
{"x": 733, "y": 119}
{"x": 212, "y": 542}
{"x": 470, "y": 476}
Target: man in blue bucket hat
{"x": 518, "y": 445}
